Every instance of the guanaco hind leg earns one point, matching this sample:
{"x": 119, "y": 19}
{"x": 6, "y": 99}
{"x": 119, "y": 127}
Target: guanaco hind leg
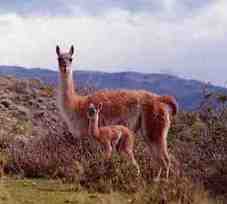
{"x": 155, "y": 133}
{"x": 161, "y": 154}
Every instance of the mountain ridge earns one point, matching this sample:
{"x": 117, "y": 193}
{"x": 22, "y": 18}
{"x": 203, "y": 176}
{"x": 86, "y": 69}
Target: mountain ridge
{"x": 188, "y": 92}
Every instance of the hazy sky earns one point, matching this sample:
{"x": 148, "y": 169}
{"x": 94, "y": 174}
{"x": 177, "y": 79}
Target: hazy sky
{"x": 182, "y": 37}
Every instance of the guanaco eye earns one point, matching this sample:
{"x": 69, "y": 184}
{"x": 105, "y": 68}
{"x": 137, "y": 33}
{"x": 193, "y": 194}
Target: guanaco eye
{"x": 60, "y": 59}
{"x": 70, "y": 59}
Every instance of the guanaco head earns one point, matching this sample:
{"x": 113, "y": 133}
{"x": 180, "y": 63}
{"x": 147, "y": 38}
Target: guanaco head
{"x": 93, "y": 112}
{"x": 65, "y": 60}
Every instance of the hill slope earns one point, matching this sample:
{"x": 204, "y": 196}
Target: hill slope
{"x": 38, "y": 144}
{"x": 187, "y": 92}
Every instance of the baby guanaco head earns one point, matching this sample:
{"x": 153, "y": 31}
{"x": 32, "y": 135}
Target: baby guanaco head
{"x": 93, "y": 112}
{"x": 65, "y": 60}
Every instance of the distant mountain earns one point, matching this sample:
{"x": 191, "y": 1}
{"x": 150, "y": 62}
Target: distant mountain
{"x": 187, "y": 92}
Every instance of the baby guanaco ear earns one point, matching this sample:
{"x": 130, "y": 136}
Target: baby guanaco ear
{"x": 71, "y": 51}
{"x": 100, "y": 106}
{"x": 58, "y": 50}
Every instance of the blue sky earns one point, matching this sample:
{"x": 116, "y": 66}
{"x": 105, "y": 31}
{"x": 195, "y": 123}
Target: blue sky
{"x": 182, "y": 37}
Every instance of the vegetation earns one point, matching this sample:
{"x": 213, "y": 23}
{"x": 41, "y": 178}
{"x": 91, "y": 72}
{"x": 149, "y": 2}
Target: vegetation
{"x": 55, "y": 191}
{"x": 44, "y": 163}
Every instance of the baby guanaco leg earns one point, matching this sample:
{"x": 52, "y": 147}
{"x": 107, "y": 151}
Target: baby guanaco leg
{"x": 130, "y": 154}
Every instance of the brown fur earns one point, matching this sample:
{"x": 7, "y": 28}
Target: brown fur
{"x": 171, "y": 101}
{"x": 117, "y": 136}
{"x": 139, "y": 110}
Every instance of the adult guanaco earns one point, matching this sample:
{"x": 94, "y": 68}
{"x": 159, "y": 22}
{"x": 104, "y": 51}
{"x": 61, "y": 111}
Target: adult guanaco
{"x": 141, "y": 111}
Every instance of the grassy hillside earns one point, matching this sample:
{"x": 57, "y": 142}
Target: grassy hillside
{"x": 36, "y": 144}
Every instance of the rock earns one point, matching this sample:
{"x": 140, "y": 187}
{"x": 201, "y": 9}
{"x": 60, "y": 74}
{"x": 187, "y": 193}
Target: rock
{"x": 22, "y": 112}
{"x": 2, "y": 107}
{"x": 38, "y": 114}
{"x": 22, "y": 87}
{"x": 35, "y": 84}
{"x": 31, "y": 102}
{"x": 6, "y": 103}
{"x": 40, "y": 100}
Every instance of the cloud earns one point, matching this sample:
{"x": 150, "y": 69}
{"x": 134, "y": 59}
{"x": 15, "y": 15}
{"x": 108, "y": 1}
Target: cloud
{"x": 194, "y": 46}
{"x": 99, "y": 7}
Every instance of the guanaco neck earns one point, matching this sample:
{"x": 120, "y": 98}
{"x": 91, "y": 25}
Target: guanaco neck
{"x": 93, "y": 127}
{"x": 67, "y": 92}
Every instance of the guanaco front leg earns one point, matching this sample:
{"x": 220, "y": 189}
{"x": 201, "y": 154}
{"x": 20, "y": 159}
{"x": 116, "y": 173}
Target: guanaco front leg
{"x": 108, "y": 150}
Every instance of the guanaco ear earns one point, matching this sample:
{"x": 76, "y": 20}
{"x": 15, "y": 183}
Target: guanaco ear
{"x": 100, "y": 106}
{"x": 58, "y": 50}
{"x": 71, "y": 51}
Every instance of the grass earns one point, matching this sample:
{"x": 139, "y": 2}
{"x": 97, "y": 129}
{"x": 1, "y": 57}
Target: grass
{"x": 23, "y": 127}
{"x": 42, "y": 191}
